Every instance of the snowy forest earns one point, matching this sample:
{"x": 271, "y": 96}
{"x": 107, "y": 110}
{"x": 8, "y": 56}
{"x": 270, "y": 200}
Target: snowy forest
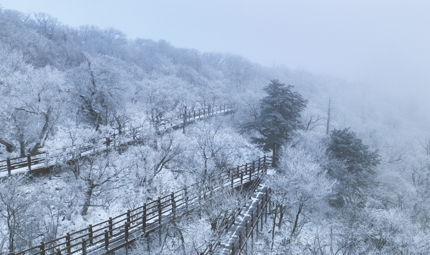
{"x": 349, "y": 171}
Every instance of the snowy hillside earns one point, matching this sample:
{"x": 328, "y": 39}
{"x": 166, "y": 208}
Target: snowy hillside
{"x": 354, "y": 161}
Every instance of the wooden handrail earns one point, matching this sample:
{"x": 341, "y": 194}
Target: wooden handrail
{"x": 20, "y": 162}
{"x": 155, "y": 214}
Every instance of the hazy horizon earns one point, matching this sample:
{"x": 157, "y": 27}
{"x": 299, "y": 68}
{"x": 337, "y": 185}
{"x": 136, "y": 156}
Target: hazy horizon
{"x": 382, "y": 44}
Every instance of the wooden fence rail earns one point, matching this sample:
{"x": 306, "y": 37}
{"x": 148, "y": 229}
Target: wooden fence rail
{"x": 240, "y": 231}
{"x": 228, "y": 222}
{"x": 257, "y": 217}
{"x": 119, "y": 231}
{"x": 32, "y": 163}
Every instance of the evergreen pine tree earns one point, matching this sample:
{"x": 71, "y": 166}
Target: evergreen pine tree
{"x": 352, "y": 165}
{"x": 346, "y": 147}
{"x": 279, "y": 117}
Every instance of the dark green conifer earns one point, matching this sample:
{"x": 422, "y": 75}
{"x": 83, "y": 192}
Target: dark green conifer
{"x": 278, "y": 119}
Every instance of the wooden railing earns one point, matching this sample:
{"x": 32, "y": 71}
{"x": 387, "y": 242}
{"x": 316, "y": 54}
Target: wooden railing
{"x": 238, "y": 232}
{"x": 247, "y": 231}
{"x": 116, "y": 233}
{"x": 228, "y": 222}
{"x": 32, "y": 163}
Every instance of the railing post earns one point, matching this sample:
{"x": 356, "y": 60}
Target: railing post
{"x": 259, "y": 164}
{"x": 173, "y": 204}
{"x": 246, "y": 229}
{"x": 159, "y": 211}
{"x": 186, "y": 198}
{"x": 106, "y": 240}
{"x": 252, "y": 219}
{"x": 251, "y": 170}
{"x": 144, "y": 218}
{"x": 58, "y": 252}
{"x": 84, "y": 247}
{"x": 29, "y": 162}
{"x": 42, "y": 248}
{"x": 258, "y": 218}
{"x": 9, "y": 167}
{"x": 110, "y": 226}
{"x": 232, "y": 180}
{"x": 252, "y": 238}
{"x": 68, "y": 243}
{"x": 128, "y": 216}
{"x": 126, "y": 224}
{"x": 90, "y": 235}
{"x": 246, "y": 168}
{"x": 265, "y": 164}
{"x": 241, "y": 177}
{"x": 261, "y": 212}
{"x": 199, "y": 113}
{"x": 267, "y": 201}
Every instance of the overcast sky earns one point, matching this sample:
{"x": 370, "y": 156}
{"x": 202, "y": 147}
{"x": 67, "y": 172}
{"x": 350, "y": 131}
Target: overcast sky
{"x": 385, "y": 42}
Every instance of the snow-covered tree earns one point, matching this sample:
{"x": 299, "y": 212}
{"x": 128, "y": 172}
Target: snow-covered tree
{"x": 100, "y": 176}
{"x": 278, "y": 119}
{"x": 300, "y": 189}
{"x": 353, "y": 164}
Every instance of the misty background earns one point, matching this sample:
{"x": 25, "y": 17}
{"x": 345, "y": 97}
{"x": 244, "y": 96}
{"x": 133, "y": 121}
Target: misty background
{"x": 379, "y": 44}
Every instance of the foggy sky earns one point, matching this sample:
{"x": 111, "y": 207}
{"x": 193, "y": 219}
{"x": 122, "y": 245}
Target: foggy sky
{"x": 383, "y": 43}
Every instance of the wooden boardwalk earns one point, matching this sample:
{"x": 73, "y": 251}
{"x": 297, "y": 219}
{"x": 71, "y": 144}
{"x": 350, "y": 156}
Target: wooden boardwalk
{"x": 42, "y": 161}
{"x": 233, "y": 238}
{"x": 122, "y": 230}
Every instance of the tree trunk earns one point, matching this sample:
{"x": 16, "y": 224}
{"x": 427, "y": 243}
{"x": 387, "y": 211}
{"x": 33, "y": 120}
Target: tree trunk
{"x": 9, "y": 147}
{"x": 181, "y": 237}
{"x": 297, "y": 219}
{"x": 88, "y": 196}
{"x": 76, "y": 168}
{"x": 281, "y": 216}
{"x": 11, "y": 233}
{"x": 273, "y": 228}
{"x": 328, "y": 117}
{"x": 118, "y": 121}
{"x": 43, "y": 134}
{"x": 274, "y": 156}
{"x": 22, "y": 148}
